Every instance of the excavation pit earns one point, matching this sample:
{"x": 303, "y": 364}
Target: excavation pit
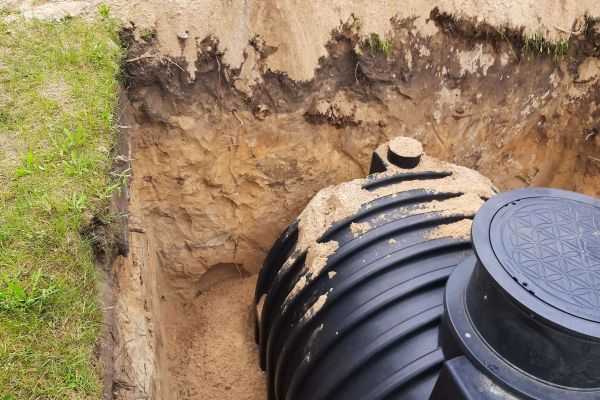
{"x": 218, "y": 172}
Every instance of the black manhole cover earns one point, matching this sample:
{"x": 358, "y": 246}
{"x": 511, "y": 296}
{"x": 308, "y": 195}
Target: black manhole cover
{"x": 549, "y": 243}
{"x": 551, "y": 246}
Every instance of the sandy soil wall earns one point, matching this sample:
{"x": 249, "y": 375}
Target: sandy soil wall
{"x": 219, "y": 173}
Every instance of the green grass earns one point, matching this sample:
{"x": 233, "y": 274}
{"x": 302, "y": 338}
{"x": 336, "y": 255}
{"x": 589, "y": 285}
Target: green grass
{"x": 538, "y": 45}
{"x": 58, "y": 93}
{"x": 376, "y": 43}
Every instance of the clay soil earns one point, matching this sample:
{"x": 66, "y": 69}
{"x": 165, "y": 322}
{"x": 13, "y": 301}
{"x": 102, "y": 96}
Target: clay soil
{"x": 235, "y": 114}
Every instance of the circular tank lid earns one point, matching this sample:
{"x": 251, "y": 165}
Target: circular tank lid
{"x": 543, "y": 247}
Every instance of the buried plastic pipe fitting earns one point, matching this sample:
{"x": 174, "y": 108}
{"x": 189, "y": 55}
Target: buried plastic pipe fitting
{"x": 403, "y": 152}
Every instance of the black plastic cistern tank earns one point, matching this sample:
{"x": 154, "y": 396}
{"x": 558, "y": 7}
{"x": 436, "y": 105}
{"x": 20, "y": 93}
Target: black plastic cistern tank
{"x": 513, "y": 313}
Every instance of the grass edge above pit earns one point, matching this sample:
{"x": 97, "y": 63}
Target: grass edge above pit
{"x": 58, "y": 95}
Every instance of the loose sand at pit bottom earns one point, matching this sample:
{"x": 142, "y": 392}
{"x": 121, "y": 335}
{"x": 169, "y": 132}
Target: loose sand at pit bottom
{"x": 212, "y": 350}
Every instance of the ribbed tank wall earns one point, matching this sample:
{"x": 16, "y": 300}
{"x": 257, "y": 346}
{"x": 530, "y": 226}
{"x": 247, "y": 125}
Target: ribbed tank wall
{"x": 367, "y": 326}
